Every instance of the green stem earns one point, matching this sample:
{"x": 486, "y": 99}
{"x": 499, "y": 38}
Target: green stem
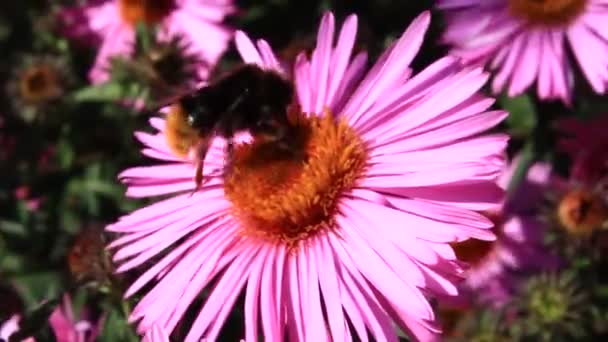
{"x": 526, "y": 159}
{"x": 144, "y": 36}
{"x": 126, "y": 308}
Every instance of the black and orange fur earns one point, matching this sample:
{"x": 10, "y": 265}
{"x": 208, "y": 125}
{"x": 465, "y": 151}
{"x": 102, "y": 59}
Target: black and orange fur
{"x": 247, "y": 99}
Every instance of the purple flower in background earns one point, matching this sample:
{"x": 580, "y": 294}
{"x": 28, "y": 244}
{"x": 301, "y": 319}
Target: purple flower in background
{"x": 10, "y": 327}
{"x": 198, "y": 22}
{"x": 583, "y": 207}
{"x": 497, "y": 266}
{"x": 530, "y": 41}
{"x": 68, "y": 328}
{"x": 586, "y": 142}
{"x": 354, "y": 235}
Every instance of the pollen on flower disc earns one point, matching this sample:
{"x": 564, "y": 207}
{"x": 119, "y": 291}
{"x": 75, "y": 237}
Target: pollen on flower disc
{"x": 146, "y": 11}
{"x": 547, "y": 12}
{"x": 289, "y": 195}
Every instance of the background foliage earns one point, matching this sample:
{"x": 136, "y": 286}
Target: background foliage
{"x": 59, "y": 162}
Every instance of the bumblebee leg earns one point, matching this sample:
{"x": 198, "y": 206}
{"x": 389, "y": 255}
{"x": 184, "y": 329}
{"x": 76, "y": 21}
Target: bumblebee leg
{"x": 198, "y": 177}
{"x": 228, "y": 156}
{"x": 230, "y": 150}
{"x": 201, "y": 149}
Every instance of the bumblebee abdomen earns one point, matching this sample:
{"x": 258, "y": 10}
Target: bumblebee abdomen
{"x": 180, "y": 136}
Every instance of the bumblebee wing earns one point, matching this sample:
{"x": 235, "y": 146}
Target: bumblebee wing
{"x": 176, "y": 95}
{"x": 158, "y": 105}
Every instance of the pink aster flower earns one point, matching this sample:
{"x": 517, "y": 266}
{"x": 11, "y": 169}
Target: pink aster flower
{"x": 529, "y": 41}
{"x": 155, "y": 334}
{"x": 496, "y": 267}
{"x": 355, "y": 234}
{"x": 11, "y": 326}
{"x": 198, "y": 22}
{"x": 68, "y": 328}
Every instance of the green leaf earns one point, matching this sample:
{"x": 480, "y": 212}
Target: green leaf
{"x": 521, "y": 171}
{"x": 12, "y": 263}
{"x": 601, "y": 290}
{"x": 79, "y": 302}
{"x": 522, "y": 114}
{"x": 110, "y": 91}
{"x": 12, "y": 228}
{"x": 580, "y": 263}
{"x": 103, "y": 188}
{"x": 116, "y": 328}
{"x": 144, "y": 36}
{"x": 36, "y": 287}
{"x": 65, "y": 153}
{"x": 70, "y": 221}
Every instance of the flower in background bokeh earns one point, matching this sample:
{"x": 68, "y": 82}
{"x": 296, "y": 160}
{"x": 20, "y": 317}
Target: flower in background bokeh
{"x": 584, "y": 204}
{"x": 586, "y": 142}
{"x": 395, "y": 170}
{"x": 22, "y": 193}
{"x": 527, "y": 41}
{"x": 68, "y": 328}
{"x": 10, "y": 327}
{"x": 165, "y": 68}
{"x": 498, "y": 267}
{"x": 87, "y": 259}
{"x": 557, "y": 307}
{"x": 198, "y": 22}
{"x": 36, "y": 83}
{"x": 11, "y": 309}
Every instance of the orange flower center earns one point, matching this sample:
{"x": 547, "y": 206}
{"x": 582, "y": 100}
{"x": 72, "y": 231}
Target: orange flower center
{"x": 148, "y": 11}
{"x": 39, "y": 83}
{"x": 289, "y": 196}
{"x": 475, "y": 251}
{"x": 581, "y": 212}
{"x": 547, "y": 12}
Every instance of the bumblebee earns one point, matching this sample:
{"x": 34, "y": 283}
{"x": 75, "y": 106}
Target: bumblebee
{"x": 247, "y": 99}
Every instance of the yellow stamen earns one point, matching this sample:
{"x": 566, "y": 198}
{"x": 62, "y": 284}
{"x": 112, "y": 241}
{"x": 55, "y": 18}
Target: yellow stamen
{"x": 290, "y": 195}
{"x": 547, "y": 12}
{"x": 148, "y": 11}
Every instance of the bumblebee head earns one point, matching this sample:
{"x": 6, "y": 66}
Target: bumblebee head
{"x": 199, "y": 113}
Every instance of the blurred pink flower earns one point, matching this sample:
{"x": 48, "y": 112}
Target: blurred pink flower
{"x": 31, "y": 203}
{"x": 497, "y": 266}
{"x": 68, "y": 328}
{"x": 529, "y": 41}
{"x": 10, "y": 327}
{"x": 199, "y": 22}
{"x": 397, "y": 170}
{"x": 587, "y": 145}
